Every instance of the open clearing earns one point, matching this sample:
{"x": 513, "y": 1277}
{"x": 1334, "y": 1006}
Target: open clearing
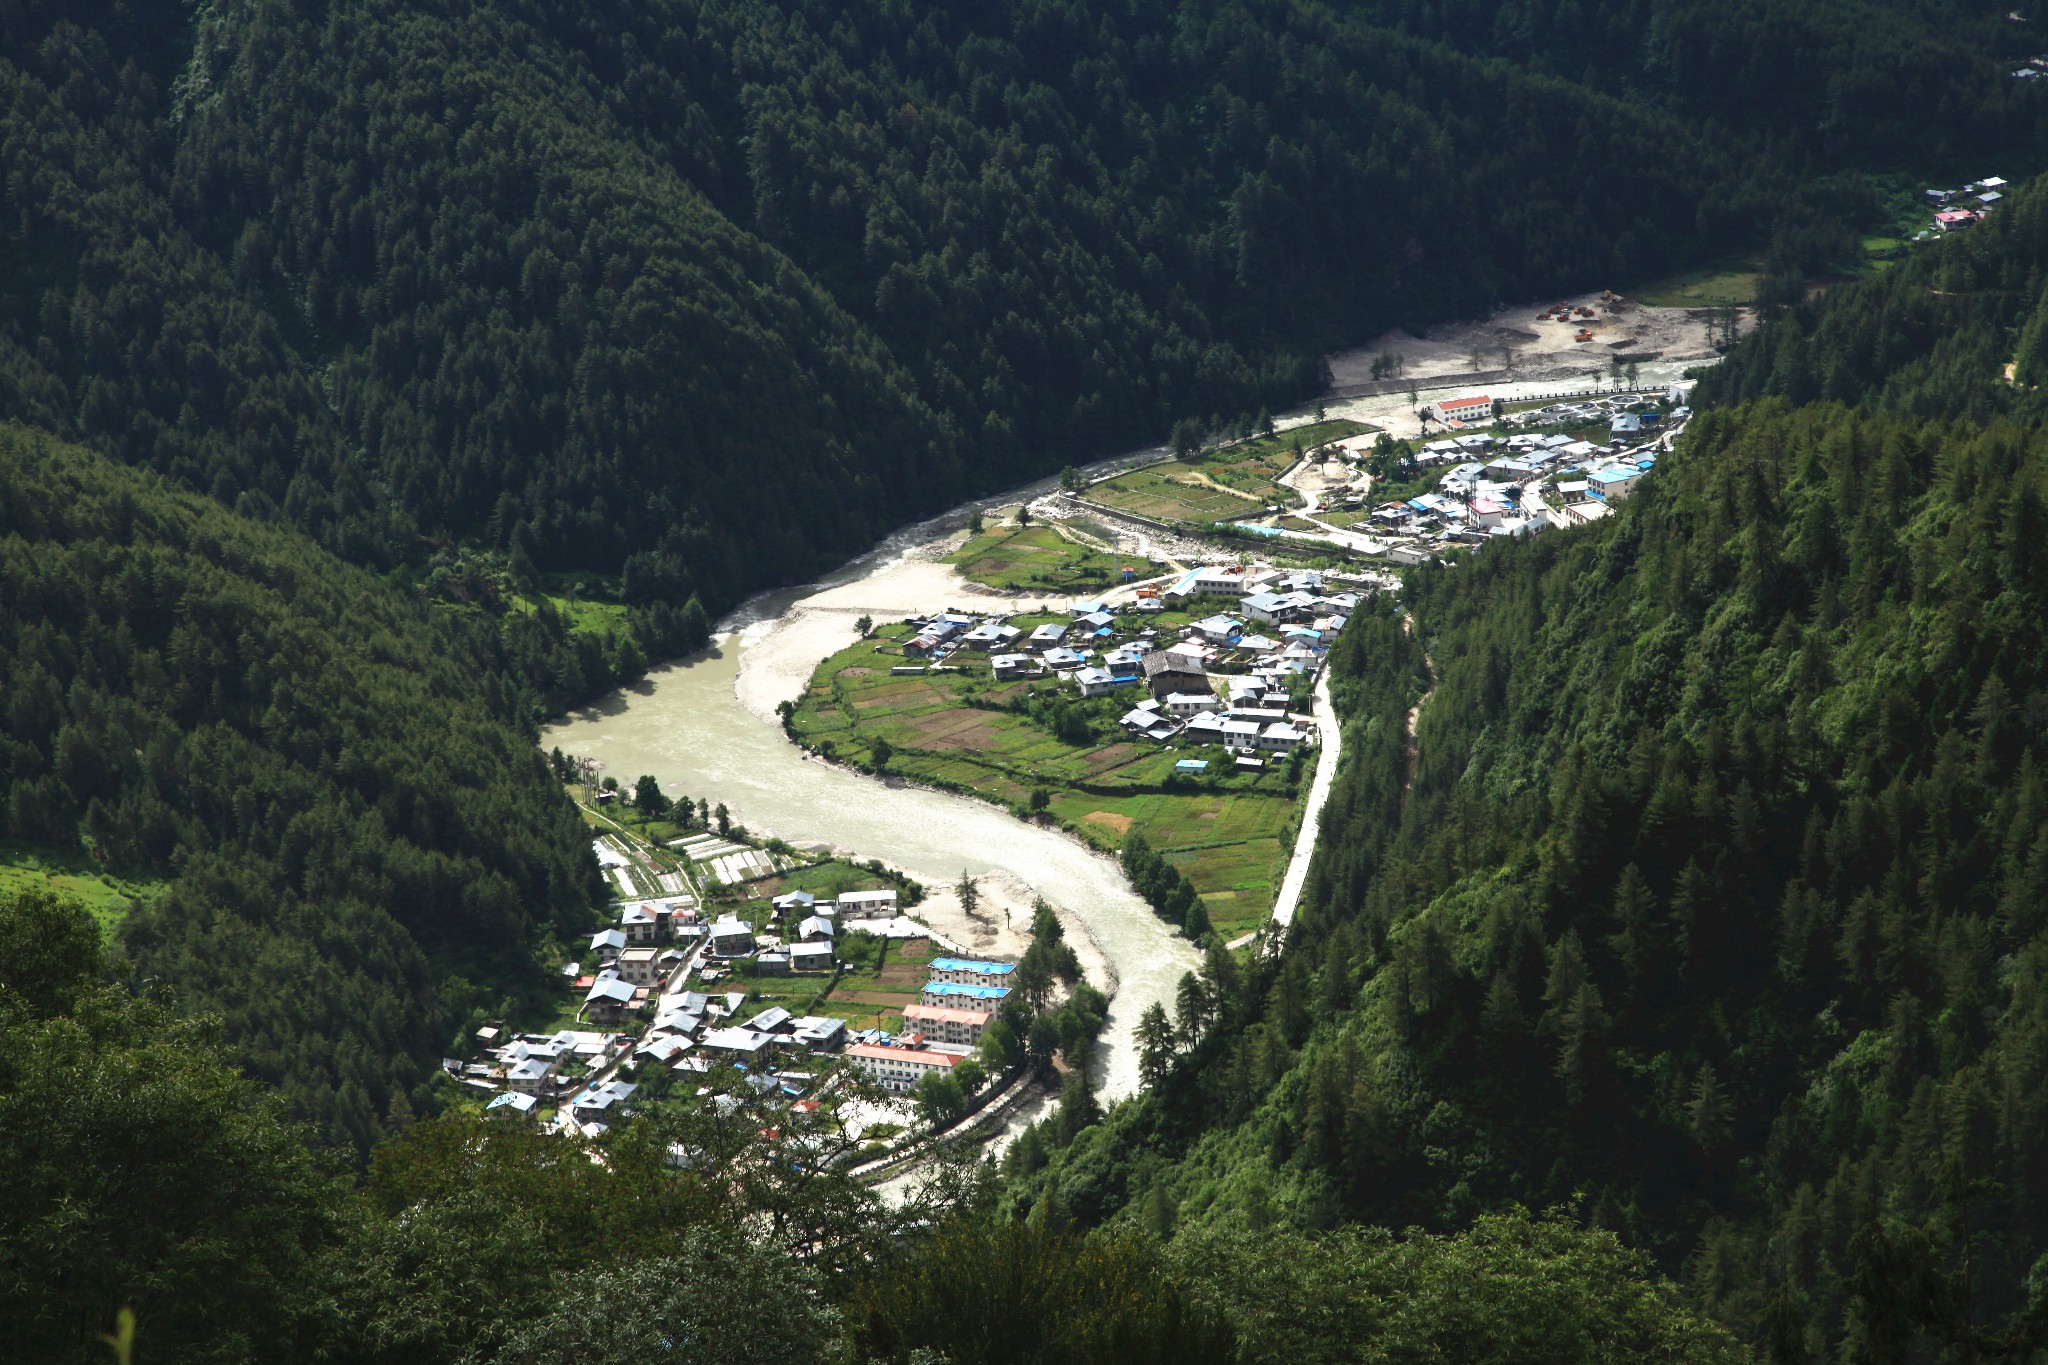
{"x": 109, "y": 898}
{"x": 1024, "y": 558}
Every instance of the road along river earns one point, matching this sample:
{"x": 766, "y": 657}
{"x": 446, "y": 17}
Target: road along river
{"x": 705, "y": 726}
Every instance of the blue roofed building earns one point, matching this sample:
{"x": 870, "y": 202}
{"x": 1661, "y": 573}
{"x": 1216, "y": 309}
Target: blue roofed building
{"x": 954, "y": 995}
{"x": 969, "y": 971}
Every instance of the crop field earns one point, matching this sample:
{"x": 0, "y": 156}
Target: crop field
{"x": 1023, "y": 558}
{"x": 1170, "y": 492}
{"x": 1229, "y": 830}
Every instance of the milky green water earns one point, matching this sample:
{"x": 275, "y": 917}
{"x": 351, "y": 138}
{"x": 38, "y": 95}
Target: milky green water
{"x": 685, "y": 725}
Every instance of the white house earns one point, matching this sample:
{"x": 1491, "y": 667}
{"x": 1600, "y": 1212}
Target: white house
{"x": 639, "y": 965}
{"x": 1614, "y": 482}
{"x": 529, "y": 1075}
{"x": 1217, "y": 579}
{"x": 1239, "y": 734}
{"x": 852, "y": 903}
{"x": 899, "y": 1069}
{"x": 731, "y": 937}
{"x": 1100, "y": 682}
{"x": 1185, "y": 704}
{"x": 1280, "y": 736}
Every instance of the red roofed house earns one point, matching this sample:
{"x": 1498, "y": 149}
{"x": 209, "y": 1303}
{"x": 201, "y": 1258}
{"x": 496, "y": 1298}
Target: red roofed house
{"x": 947, "y": 1025}
{"x": 899, "y": 1069}
{"x": 1465, "y": 409}
{"x": 1957, "y": 218}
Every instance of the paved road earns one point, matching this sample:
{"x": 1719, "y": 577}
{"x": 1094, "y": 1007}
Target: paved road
{"x": 1331, "y": 735}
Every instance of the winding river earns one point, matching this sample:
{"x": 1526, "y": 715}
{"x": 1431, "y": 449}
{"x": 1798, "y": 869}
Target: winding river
{"x": 705, "y": 726}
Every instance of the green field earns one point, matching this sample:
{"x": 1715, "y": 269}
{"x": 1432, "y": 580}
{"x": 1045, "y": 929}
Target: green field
{"x": 108, "y": 897}
{"x": 1024, "y": 558}
{"x": 1247, "y": 470}
{"x": 1228, "y": 830}
{"x": 1731, "y": 284}
{"x": 1252, "y": 466}
{"x": 1172, "y": 492}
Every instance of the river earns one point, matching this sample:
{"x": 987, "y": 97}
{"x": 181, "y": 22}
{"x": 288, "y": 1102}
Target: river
{"x": 704, "y": 726}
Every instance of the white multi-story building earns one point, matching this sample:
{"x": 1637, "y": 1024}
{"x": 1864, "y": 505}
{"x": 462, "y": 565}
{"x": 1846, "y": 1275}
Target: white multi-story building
{"x": 971, "y": 972}
{"x": 946, "y": 1025}
{"x": 899, "y": 1069}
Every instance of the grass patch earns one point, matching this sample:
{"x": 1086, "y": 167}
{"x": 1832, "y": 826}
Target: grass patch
{"x": 1727, "y": 284}
{"x": 1252, "y": 465}
{"x": 1171, "y": 492}
{"x": 1180, "y": 490}
{"x": 108, "y": 897}
{"x": 1024, "y": 558}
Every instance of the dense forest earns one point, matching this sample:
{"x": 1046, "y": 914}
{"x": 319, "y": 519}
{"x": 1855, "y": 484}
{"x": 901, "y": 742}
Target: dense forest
{"x": 1931, "y": 336}
{"x": 1674, "y": 979}
{"x": 708, "y": 294}
{"x": 146, "y": 1174}
{"x": 361, "y": 846}
{"x": 1709, "y": 894}
{"x": 715, "y": 294}
{"x": 1924, "y": 84}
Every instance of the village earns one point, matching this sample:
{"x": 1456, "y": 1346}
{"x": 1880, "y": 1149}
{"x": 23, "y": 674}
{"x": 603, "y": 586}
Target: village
{"x": 1328, "y": 493}
{"x": 677, "y": 997}
{"x": 1177, "y": 708}
{"x": 1966, "y": 207}
{"x": 1498, "y": 474}
{"x": 1262, "y": 652}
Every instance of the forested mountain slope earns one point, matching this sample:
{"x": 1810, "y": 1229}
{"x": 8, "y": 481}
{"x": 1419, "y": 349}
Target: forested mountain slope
{"x": 710, "y": 293}
{"x": 1716, "y": 899}
{"x": 359, "y": 848}
{"x": 1932, "y": 335}
{"x": 1882, "y": 84}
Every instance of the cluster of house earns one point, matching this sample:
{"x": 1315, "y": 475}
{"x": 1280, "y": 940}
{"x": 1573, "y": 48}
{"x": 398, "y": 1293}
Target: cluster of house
{"x": 655, "y": 939}
{"x": 1520, "y": 485}
{"x": 524, "y": 1070}
{"x": 1966, "y": 207}
{"x": 1280, "y": 628}
{"x": 943, "y": 1028}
